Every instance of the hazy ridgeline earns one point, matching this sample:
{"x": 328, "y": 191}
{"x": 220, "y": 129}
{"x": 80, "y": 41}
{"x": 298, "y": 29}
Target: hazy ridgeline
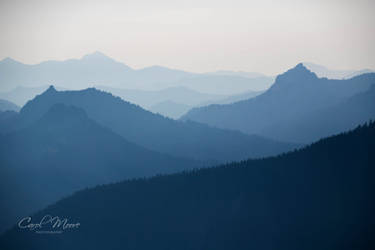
{"x": 68, "y": 140}
{"x": 8, "y": 106}
{"x": 98, "y": 69}
{"x": 150, "y": 87}
{"x": 299, "y": 107}
{"x": 65, "y": 140}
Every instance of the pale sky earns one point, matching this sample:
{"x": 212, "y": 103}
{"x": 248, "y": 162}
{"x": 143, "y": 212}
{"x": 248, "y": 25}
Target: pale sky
{"x": 196, "y": 35}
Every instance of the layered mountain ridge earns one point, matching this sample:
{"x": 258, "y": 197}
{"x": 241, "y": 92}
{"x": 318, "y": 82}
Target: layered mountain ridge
{"x": 320, "y": 197}
{"x": 153, "y": 131}
{"x": 99, "y": 69}
{"x": 64, "y": 151}
{"x": 295, "y": 95}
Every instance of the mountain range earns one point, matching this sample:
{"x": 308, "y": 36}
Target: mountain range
{"x": 98, "y": 69}
{"x": 69, "y": 140}
{"x": 170, "y": 109}
{"x": 120, "y": 139}
{"x": 20, "y": 95}
{"x": 155, "y": 132}
{"x": 322, "y": 71}
{"x": 320, "y": 197}
{"x": 8, "y": 106}
{"x": 148, "y": 98}
{"x": 175, "y": 102}
{"x": 180, "y": 99}
{"x": 237, "y": 73}
{"x": 299, "y": 107}
{"x": 64, "y": 151}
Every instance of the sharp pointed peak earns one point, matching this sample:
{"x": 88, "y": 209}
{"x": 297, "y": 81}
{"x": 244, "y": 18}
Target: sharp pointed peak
{"x": 52, "y": 88}
{"x": 299, "y": 75}
{"x": 301, "y": 66}
{"x": 300, "y": 70}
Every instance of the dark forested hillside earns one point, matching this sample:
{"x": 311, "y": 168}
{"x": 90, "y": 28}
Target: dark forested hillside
{"x": 65, "y": 151}
{"x": 155, "y": 132}
{"x": 280, "y": 112}
{"x": 320, "y": 197}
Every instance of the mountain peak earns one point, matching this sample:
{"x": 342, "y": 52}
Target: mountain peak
{"x": 294, "y": 77}
{"x": 9, "y": 60}
{"x": 96, "y": 55}
{"x": 51, "y": 89}
{"x": 101, "y": 60}
{"x": 300, "y": 68}
{"x": 299, "y": 72}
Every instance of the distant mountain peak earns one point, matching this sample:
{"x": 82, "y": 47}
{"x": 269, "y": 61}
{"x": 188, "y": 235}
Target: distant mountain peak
{"x": 97, "y": 57}
{"x": 299, "y": 72}
{"x": 300, "y": 68}
{"x": 294, "y": 77}
{"x": 103, "y": 60}
{"x": 95, "y": 91}
{"x": 323, "y": 71}
{"x": 96, "y": 54}
{"x": 51, "y": 89}
{"x": 9, "y": 60}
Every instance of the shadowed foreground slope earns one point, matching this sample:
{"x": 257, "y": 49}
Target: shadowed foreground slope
{"x": 320, "y": 197}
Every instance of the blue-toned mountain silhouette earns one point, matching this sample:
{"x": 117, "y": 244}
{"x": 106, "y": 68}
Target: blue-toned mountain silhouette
{"x": 147, "y": 99}
{"x": 8, "y": 106}
{"x": 233, "y": 98}
{"x": 320, "y": 197}
{"x": 281, "y": 112}
{"x": 170, "y": 109}
{"x": 155, "y": 132}
{"x": 328, "y": 121}
{"x": 64, "y": 151}
{"x": 20, "y": 95}
{"x": 93, "y": 68}
{"x": 322, "y": 71}
{"x": 99, "y": 69}
{"x": 184, "y": 98}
